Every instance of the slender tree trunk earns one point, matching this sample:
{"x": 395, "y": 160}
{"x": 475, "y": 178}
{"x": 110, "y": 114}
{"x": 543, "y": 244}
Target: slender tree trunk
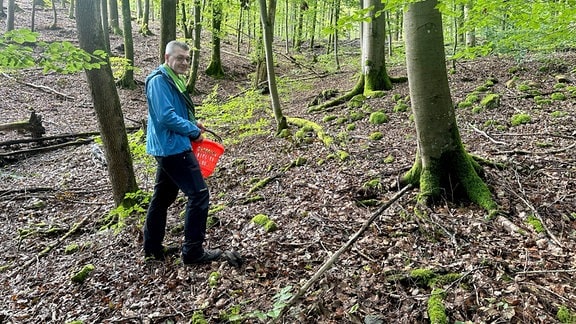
{"x": 313, "y": 28}
{"x": 104, "y": 19}
{"x": 442, "y": 165}
{"x": 55, "y": 16}
{"x": 215, "y": 67}
{"x": 71, "y": 9}
{"x": 267, "y": 35}
{"x": 144, "y": 30}
{"x": 10, "y": 18}
{"x": 2, "y": 13}
{"x": 336, "y": 33}
{"x": 184, "y": 21}
{"x": 191, "y": 85}
{"x": 33, "y": 23}
{"x": 286, "y": 29}
{"x": 127, "y": 80}
{"x": 106, "y": 104}
{"x": 167, "y": 24}
{"x": 114, "y": 18}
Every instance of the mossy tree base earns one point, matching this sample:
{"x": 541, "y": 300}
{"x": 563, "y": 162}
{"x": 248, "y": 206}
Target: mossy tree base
{"x": 215, "y": 69}
{"x": 455, "y": 175}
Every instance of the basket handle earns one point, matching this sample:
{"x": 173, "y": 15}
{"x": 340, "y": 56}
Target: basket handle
{"x": 218, "y": 138}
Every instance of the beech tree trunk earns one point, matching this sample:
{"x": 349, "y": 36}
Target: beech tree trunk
{"x": 106, "y": 104}
{"x": 215, "y": 67}
{"x": 442, "y": 165}
{"x": 167, "y": 24}
{"x": 127, "y": 80}
{"x": 191, "y": 85}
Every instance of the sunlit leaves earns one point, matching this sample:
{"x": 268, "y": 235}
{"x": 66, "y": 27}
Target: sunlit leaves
{"x": 21, "y": 49}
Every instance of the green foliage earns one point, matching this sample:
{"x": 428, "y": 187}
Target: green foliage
{"x": 566, "y": 316}
{"x": 135, "y": 203}
{"x": 21, "y": 49}
{"x": 329, "y": 118}
{"x": 490, "y": 101}
{"x": 198, "y": 318}
{"x": 71, "y": 248}
{"x": 519, "y": 119}
{"x": 240, "y": 115}
{"x": 376, "y": 136}
{"x": 558, "y": 114}
{"x": 378, "y": 117}
{"x": 213, "y": 279}
{"x": 535, "y": 223}
{"x": 280, "y": 300}
{"x": 558, "y": 96}
{"x": 120, "y": 65}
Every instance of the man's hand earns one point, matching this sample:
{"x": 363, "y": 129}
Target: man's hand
{"x": 201, "y": 126}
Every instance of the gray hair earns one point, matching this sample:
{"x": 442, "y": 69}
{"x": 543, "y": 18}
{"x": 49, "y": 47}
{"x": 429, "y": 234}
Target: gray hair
{"x": 173, "y": 44}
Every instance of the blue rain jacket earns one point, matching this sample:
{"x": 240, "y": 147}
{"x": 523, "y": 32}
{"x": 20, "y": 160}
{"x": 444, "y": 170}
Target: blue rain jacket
{"x": 169, "y": 128}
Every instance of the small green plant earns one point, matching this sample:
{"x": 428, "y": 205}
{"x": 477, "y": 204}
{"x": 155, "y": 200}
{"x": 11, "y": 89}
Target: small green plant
{"x": 71, "y": 248}
{"x": 559, "y": 96}
{"x": 376, "y": 136}
{"x": 564, "y": 315}
{"x": 560, "y": 86}
{"x": 541, "y": 100}
{"x": 378, "y": 117}
{"x": 519, "y": 119}
{"x": 329, "y": 118}
{"x": 135, "y": 203}
{"x": 373, "y": 184}
{"x": 535, "y": 223}
{"x": 558, "y": 114}
{"x": 198, "y": 318}
{"x": 280, "y": 300}
{"x": 213, "y": 279}
{"x": 464, "y": 104}
{"x": 356, "y": 116}
{"x": 343, "y": 155}
{"x": 350, "y": 127}
{"x": 400, "y": 106}
{"x": 389, "y": 159}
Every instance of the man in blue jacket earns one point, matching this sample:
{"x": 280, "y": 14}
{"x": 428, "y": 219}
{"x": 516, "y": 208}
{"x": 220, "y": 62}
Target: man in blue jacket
{"x": 171, "y": 127}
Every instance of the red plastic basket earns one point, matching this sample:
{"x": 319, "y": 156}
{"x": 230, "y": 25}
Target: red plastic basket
{"x": 207, "y": 152}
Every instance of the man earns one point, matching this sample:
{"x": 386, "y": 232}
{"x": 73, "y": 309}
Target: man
{"x": 171, "y": 127}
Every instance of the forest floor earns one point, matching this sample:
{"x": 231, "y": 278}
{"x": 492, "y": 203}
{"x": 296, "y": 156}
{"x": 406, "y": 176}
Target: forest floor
{"x": 517, "y": 268}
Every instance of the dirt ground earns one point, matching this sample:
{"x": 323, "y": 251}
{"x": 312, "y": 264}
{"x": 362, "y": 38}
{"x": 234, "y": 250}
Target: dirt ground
{"x": 511, "y": 271}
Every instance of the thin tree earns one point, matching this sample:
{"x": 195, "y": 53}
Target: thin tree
{"x": 261, "y": 66}
{"x": 106, "y": 104}
{"x": 2, "y": 13}
{"x": 114, "y": 19}
{"x": 144, "y": 30}
{"x": 167, "y": 24}
{"x": 71, "y": 9}
{"x": 54, "y": 24}
{"x": 104, "y": 20}
{"x": 10, "y": 17}
{"x": 441, "y": 164}
{"x": 215, "y": 67}
{"x": 191, "y": 84}
{"x": 127, "y": 80}
{"x": 267, "y": 35}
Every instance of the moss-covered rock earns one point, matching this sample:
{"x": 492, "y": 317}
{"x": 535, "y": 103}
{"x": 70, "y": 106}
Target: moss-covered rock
{"x": 81, "y": 275}
{"x": 378, "y": 117}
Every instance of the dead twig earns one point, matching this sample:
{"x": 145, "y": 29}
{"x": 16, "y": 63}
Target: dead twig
{"x": 547, "y": 271}
{"x": 292, "y": 301}
{"x": 41, "y": 87}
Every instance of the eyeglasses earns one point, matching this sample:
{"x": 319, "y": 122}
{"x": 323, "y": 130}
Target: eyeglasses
{"x": 182, "y": 59}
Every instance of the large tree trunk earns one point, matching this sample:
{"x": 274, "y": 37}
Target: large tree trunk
{"x": 215, "y": 67}
{"x": 374, "y": 50}
{"x": 167, "y": 24}
{"x": 106, "y": 104}
{"x": 442, "y": 165}
{"x": 267, "y": 35}
{"x": 127, "y": 80}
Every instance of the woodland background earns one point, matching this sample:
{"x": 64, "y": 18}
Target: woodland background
{"x": 516, "y": 268}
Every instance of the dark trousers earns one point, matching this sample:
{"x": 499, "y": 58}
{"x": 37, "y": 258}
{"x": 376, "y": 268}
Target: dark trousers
{"x": 178, "y": 172}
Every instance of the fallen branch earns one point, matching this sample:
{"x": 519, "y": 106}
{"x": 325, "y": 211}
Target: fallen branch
{"x": 41, "y": 87}
{"x": 547, "y": 271}
{"x": 46, "y": 148}
{"x": 59, "y": 241}
{"x": 292, "y": 301}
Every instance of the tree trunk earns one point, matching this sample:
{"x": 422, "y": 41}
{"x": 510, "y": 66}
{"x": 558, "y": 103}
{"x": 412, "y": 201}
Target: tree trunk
{"x": 114, "y": 19}
{"x": 127, "y": 80}
{"x": 215, "y": 67}
{"x": 144, "y": 30}
{"x": 55, "y": 15}
{"x": 104, "y": 19}
{"x": 267, "y": 35}
{"x": 184, "y": 20}
{"x": 106, "y": 104}
{"x": 299, "y": 27}
{"x": 10, "y": 17}
{"x": 374, "y": 50}
{"x": 191, "y": 85}
{"x": 71, "y": 9}
{"x": 2, "y": 13}
{"x": 167, "y": 24}
{"x": 33, "y": 23}
{"x": 442, "y": 165}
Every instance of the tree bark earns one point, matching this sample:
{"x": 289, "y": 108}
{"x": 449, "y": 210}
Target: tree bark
{"x": 144, "y": 30}
{"x": 106, "y": 104}
{"x": 442, "y": 165}
{"x": 267, "y": 35}
{"x": 114, "y": 19}
{"x": 374, "y": 50}
{"x": 10, "y": 17}
{"x": 167, "y": 24}
{"x": 127, "y": 80}
{"x": 215, "y": 67}
{"x": 104, "y": 19}
{"x": 191, "y": 85}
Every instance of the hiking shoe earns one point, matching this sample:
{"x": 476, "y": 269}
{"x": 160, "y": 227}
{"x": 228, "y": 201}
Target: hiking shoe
{"x": 206, "y": 257}
{"x": 161, "y": 254}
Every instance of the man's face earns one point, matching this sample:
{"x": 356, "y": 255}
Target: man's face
{"x": 179, "y": 61}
